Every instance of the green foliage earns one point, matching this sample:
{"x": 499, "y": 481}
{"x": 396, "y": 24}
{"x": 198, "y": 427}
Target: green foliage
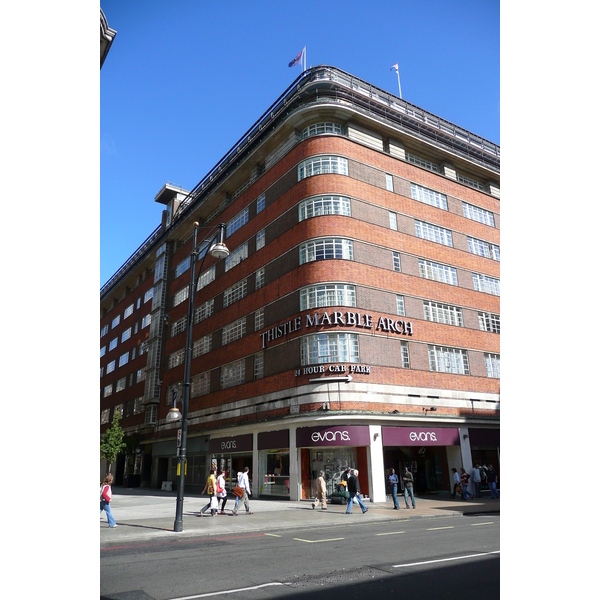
{"x": 112, "y": 441}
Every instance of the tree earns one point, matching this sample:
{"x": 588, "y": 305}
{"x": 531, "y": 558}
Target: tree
{"x": 112, "y": 441}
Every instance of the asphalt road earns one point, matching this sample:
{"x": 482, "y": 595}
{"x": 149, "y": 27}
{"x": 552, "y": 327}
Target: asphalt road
{"x": 452, "y": 557}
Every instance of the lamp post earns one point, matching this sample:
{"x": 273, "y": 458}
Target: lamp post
{"x": 218, "y": 250}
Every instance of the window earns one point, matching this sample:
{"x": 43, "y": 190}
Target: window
{"x": 260, "y": 278}
{"x": 181, "y": 295}
{"x": 421, "y": 162}
{"x": 492, "y": 365}
{"x": 318, "y": 165}
{"x": 400, "y": 305}
{"x": 150, "y": 416}
{"x": 234, "y": 331}
{"x": 237, "y": 256}
{"x": 102, "y": 351}
{"x": 200, "y": 384}
{"x": 260, "y": 239}
{"x": 329, "y": 348}
{"x": 328, "y": 294}
{"x": 206, "y": 278}
{"x": 204, "y": 311}
{"x": 448, "y": 360}
{"x": 437, "y": 272}
{"x": 148, "y": 295}
{"x": 389, "y": 182}
{"x": 177, "y": 327}
{"x": 105, "y": 416}
{"x": 176, "y": 358}
{"x": 146, "y": 320}
{"x": 128, "y": 311}
{"x": 183, "y": 266}
{"x": 260, "y": 203}
{"x": 113, "y": 344}
{"x": 123, "y": 359}
{"x": 433, "y": 233}
{"x": 233, "y": 374}
{"x": 442, "y": 313}
{"x": 321, "y": 129}
{"x": 104, "y": 331}
{"x": 138, "y": 406}
{"x": 396, "y": 262}
{"x": 202, "y": 346}
{"x": 259, "y": 365}
{"x": 121, "y": 384}
{"x": 481, "y": 248}
{"x": 236, "y": 292}
{"x": 110, "y": 367}
{"x": 478, "y": 214}
{"x": 126, "y": 334}
{"x": 259, "y": 319}
{"x": 237, "y": 222}
{"x": 393, "y": 221}
{"x": 483, "y": 283}
{"x": 470, "y": 182}
{"x": 324, "y": 205}
{"x": 428, "y": 196}
{"x": 140, "y": 375}
{"x": 115, "y": 321}
{"x": 404, "y": 355}
{"x": 108, "y": 390}
{"x": 489, "y": 322}
{"x": 326, "y": 248}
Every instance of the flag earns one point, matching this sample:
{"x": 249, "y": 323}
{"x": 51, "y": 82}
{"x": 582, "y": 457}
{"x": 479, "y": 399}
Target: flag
{"x": 394, "y": 67}
{"x": 297, "y": 60}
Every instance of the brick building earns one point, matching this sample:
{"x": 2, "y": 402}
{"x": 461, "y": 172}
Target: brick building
{"x": 355, "y": 322}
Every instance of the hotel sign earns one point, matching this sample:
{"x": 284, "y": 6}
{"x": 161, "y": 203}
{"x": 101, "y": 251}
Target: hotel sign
{"x": 337, "y": 319}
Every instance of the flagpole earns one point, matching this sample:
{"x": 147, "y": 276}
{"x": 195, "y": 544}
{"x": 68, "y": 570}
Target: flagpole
{"x": 399, "y": 88}
{"x": 304, "y": 58}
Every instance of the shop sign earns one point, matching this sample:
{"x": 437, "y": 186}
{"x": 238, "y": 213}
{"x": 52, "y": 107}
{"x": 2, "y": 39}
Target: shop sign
{"x": 337, "y": 319}
{"x": 236, "y": 443}
{"x": 334, "y": 370}
{"x": 338, "y": 435}
{"x": 420, "y": 436}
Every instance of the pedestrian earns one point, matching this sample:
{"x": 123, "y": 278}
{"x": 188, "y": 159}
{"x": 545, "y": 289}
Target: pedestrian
{"x": 456, "y": 481}
{"x": 493, "y": 482}
{"x": 244, "y": 483}
{"x": 464, "y": 484}
{"x": 210, "y": 487}
{"x": 222, "y": 491}
{"x": 393, "y": 481}
{"x": 354, "y": 491}
{"x": 321, "y": 496}
{"x": 345, "y": 476}
{"x": 476, "y": 475}
{"x": 408, "y": 487}
{"x": 105, "y": 499}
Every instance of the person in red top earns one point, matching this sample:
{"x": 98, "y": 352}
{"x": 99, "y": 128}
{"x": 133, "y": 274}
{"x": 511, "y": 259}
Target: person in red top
{"x": 464, "y": 482}
{"x": 105, "y": 498}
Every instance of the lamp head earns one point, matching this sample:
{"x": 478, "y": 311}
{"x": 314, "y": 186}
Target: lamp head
{"x": 173, "y": 415}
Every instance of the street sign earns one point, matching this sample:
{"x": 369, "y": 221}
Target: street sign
{"x": 179, "y": 438}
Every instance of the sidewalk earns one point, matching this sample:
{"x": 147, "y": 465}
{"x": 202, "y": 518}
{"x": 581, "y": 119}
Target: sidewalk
{"x": 144, "y": 515}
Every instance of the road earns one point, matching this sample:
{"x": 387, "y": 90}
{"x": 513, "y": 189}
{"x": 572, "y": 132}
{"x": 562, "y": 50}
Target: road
{"x": 450, "y": 557}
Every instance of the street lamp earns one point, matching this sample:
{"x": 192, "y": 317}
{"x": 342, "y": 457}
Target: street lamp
{"x": 218, "y": 249}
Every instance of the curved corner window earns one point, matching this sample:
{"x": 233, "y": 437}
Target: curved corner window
{"x": 329, "y": 348}
{"x": 319, "y": 165}
{"x": 324, "y": 205}
{"x": 321, "y": 129}
{"x": 325, "y": 249}
{"x": 327, "y": 294}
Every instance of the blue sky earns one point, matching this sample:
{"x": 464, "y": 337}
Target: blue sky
{"x": 185, "y": 80}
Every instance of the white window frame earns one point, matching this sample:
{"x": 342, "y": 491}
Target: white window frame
{"x": 489, "y": 322}
{"x": 183, "y": 266}
{"x": 326, "y": 249}
{"x": 202, "y": 346}
{"x": 433, "y": 233}
{"x": 323, "y": 164}
{"x": 327, "y": 294}
{"x": 482, "y": 248}
{"x": 236, "y": 256}
{"x": 443, "y": 359}
{"x": 324, "y": 205}
{"x": 437, "y": 272}
{"x": 389, "y": 182}
{"x": 393, "y": 221}
{"x": 234, "y": 331}
{"x": 436, "y": 312}
{"x": 486, "y": 284}
{"x": 259, "y": 278}
{"x": 329, "y": 348}
{"x": 481, "y": 215}
{"x": 204, "y": 311}
{"x": 492, "y": 365}
{"x": 427, "y": 196}
{"x": 128, "y": 311}
{"x": 124, "y": 359}
{"x": 260, "y": 203}
{"x": 234, "y": 293}
{"x": 237, "y": 222}
{"x": 233, "y": 373}
{"x": 260, "y": 239}
{"x": 396, "y": 263}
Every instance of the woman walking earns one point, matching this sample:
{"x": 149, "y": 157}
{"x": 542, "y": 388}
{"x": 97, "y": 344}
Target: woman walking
{"x": 222, "y": 491}
{"x": 211, "y": 489}
{"x": 105, "y": 498}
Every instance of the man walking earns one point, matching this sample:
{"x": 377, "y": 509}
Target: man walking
{"x": 408, "y": 487}
{"x": 476, "y": 476}
{"x": 354, "y": 491}
{"x": 493, "y": 482}
{"x": 393, "y": 481}
{"x": 321, "y": 492}
{"x": 243, "y": 482}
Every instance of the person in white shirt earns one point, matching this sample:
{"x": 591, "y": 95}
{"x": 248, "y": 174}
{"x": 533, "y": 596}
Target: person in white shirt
{"x": 244, "y": 483}
{"x": 476, "y": 477}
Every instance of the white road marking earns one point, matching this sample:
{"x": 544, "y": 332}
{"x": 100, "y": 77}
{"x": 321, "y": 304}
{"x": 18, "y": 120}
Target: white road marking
{"x": 439, "y": 560}
{"x": 254, "y": 587}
